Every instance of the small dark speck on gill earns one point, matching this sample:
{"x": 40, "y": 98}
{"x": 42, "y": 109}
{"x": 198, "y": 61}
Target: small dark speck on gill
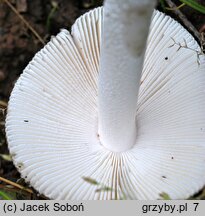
{"x": 20, "y": 165}
{"x": 25, "y": 120}
{"x": 164, "y": 177}
{"x": 166, "y": 58}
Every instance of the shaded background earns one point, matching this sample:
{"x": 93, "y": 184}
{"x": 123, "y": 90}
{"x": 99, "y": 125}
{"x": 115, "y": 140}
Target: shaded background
{"x": 18, "y": 44}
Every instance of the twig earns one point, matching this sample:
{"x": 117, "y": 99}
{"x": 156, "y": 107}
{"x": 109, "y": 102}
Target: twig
{"x": 15, "y": 185}
{"x": 183, "y": 18}
{"x": 24, "y": 21}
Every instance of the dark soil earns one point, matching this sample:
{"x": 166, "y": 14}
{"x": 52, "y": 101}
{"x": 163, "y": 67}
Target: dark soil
{"x": 18, "y": 44}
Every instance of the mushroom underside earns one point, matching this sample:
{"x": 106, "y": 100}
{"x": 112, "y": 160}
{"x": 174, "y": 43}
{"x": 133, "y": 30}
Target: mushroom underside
{"x": 52, "y": 121}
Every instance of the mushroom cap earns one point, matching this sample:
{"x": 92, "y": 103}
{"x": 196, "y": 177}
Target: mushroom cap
{"x": 52, "y": 118}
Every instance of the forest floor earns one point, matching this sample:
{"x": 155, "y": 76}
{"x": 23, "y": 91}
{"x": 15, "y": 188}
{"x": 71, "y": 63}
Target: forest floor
{"x": 25, "y": 26}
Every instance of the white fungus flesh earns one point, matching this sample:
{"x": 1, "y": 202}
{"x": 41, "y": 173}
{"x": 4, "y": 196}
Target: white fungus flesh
{"x": 52, "y": 120}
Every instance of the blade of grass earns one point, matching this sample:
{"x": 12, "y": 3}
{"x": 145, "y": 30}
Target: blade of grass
{"x": 195, "y": 5}
{"x": 90, "y": 180}
{"x": 50, "y": 15}
{"x": 3, "y": 104}
{"x": 177, "y": 8}
{"x": 165, "y": 196}
{"x": 6, "y": 157}
{"x": 5, "y": 196}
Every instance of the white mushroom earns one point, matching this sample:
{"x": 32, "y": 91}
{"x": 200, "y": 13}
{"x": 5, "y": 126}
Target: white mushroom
{"x": 65, "y": 121}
